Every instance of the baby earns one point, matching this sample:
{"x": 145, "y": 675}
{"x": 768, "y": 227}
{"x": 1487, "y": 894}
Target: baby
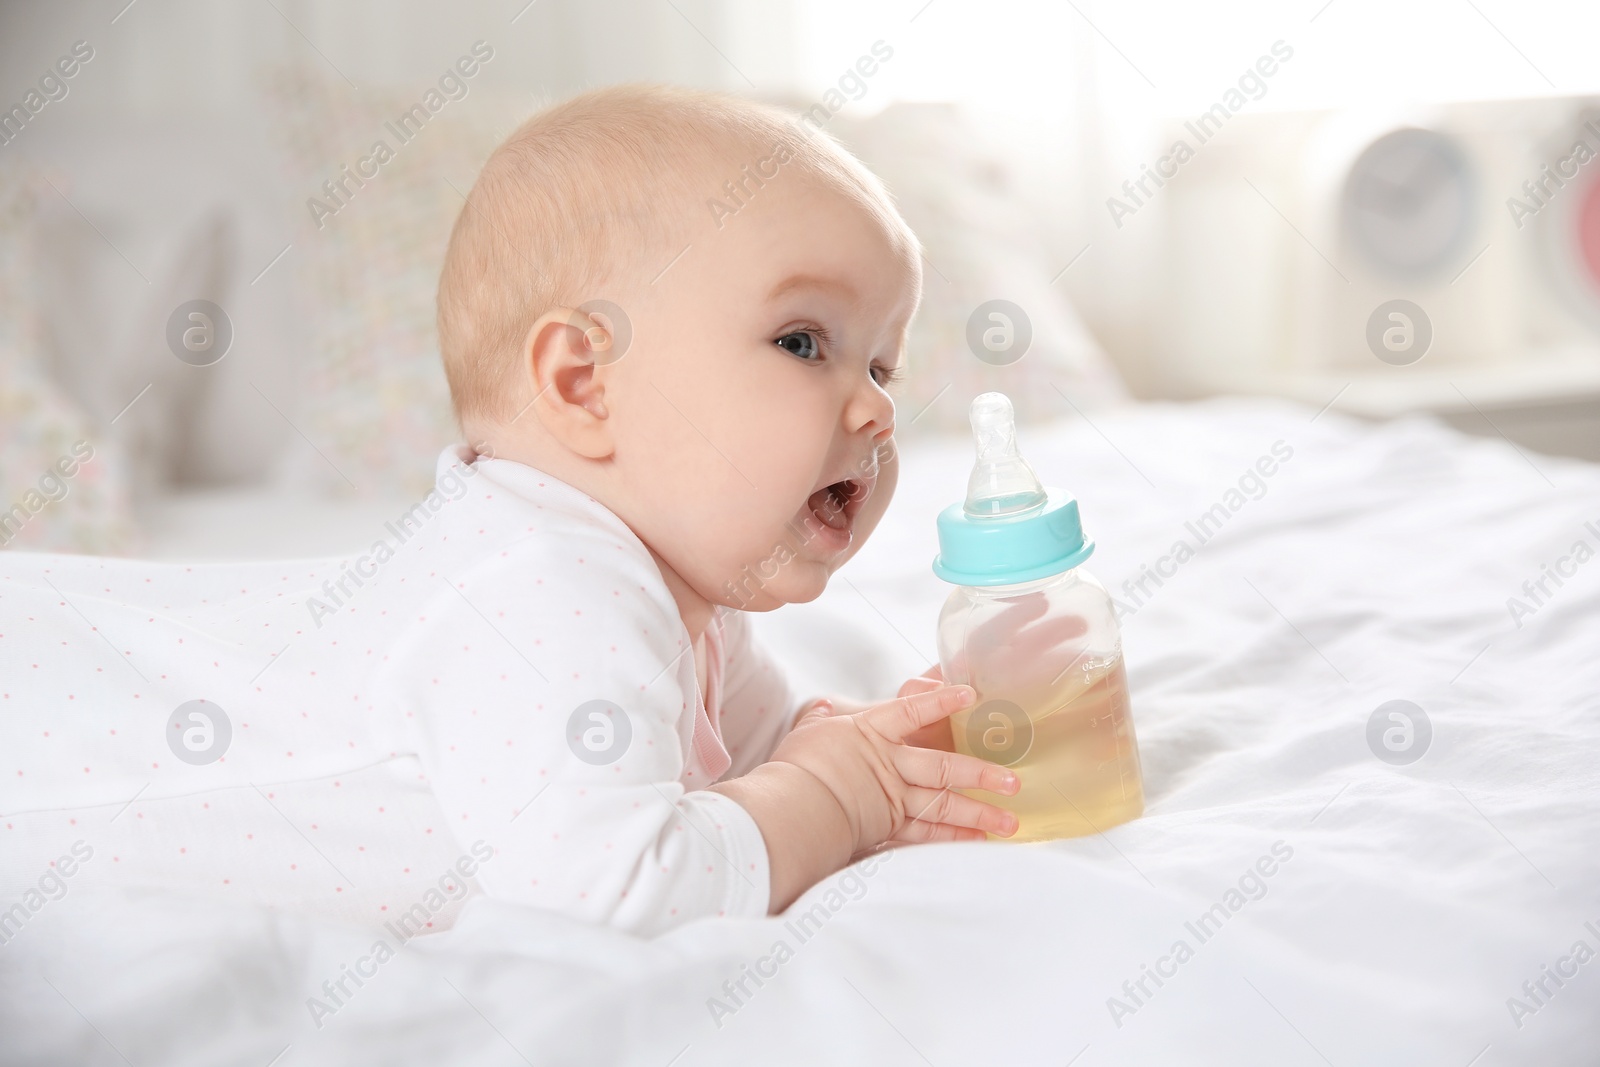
{"x": 669, "y": 320}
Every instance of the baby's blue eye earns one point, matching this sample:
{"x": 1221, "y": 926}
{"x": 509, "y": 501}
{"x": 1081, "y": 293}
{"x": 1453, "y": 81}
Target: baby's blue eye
{"x": 799, "y": 343}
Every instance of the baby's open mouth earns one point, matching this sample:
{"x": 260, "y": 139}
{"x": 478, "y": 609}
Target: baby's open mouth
{"x": 836, "y": 504}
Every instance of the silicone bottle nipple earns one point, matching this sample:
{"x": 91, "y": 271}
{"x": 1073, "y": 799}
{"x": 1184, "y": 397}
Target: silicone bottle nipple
{"x": 1002, "y": 484}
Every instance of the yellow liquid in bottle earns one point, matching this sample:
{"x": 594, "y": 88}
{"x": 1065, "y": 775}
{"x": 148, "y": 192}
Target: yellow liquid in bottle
{"x": 1080, "y": 773}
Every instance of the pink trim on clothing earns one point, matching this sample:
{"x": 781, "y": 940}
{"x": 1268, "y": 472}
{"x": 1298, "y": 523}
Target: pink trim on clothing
{"x": 708, "y": 712}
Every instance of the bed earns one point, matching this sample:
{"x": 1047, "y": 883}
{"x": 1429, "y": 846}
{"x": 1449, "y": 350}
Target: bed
{"x": 1313, "y": 881}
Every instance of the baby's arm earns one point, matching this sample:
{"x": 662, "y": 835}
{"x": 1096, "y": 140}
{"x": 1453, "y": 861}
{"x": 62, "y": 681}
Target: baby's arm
{"x": 839, "y": 784}
{"x": 803, "y": 825}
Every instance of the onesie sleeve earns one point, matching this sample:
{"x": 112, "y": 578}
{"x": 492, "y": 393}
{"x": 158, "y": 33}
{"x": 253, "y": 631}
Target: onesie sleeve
{"x": 758, "y": 701}
{"x": 549, "y": 703}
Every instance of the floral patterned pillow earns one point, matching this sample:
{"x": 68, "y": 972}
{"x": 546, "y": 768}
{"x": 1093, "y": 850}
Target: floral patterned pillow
{"x": 63, "y": 483}
{"x": 367, "y": 249}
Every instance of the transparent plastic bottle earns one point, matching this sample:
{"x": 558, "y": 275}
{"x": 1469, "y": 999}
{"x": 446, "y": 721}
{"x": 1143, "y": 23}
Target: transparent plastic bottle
{"x": 1036, "y": 636}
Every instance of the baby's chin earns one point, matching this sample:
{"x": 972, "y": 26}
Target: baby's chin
{"x": 798, "y": 560}
{"x": 800, "y": 580}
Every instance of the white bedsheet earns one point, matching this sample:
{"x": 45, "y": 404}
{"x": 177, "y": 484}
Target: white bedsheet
{"x": 1414, "y": 903}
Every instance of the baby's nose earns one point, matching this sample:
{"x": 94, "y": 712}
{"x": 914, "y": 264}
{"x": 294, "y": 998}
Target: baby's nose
{"x": 871, "y": 410}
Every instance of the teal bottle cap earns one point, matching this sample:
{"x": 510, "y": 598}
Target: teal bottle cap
{"x": 1010, "y": 528}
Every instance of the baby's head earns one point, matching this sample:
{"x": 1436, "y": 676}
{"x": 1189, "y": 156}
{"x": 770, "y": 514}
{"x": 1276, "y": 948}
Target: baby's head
{"x": 734, "y": 413}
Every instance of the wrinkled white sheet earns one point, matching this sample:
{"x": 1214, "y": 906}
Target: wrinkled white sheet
{"x": 1415, "y": 901}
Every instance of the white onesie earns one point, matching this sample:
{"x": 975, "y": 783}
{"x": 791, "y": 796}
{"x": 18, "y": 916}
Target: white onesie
{"x": 502, "y": 667}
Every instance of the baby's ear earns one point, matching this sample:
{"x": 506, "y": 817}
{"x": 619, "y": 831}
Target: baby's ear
{"x": 564, "y": 358}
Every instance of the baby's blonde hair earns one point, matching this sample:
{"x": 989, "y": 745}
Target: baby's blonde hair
{"x": 588, "y": 193}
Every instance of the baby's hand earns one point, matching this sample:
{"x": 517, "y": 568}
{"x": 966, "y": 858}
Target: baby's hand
{"x": 890, "y": 790}
{"x": 934, "y": 735}
{"x": 1025, "y": 645}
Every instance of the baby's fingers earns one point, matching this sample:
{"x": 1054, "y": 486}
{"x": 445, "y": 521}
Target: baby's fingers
{"x": 932, "y": 678}
{"x": 949, "y": 808}
{"x": 917, "y": 832}
{"x": 951, "y": 770}
{"x": 894, "y": 719}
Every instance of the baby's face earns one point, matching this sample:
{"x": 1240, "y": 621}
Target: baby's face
{"x": 750, "y": 413}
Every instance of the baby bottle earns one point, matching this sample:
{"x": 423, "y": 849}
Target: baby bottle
{"x": 1035, "y": 635}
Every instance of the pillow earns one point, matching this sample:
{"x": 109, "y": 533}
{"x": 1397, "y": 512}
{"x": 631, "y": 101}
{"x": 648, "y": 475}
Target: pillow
{"x": 982, "y": 246}
{"x": 63, "y": 479}
{"x": 105, "y": 359}
{"x": 374, "y": 402}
